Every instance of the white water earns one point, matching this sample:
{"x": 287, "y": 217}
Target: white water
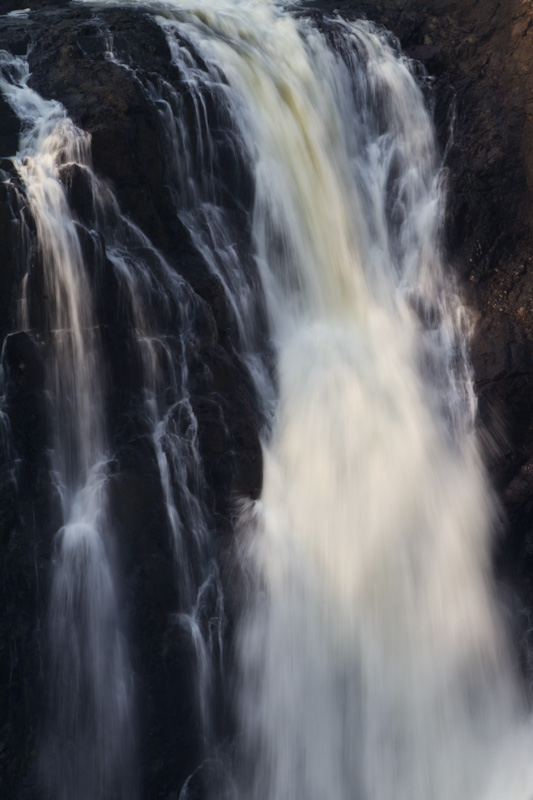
{"x": 372, "y": 661}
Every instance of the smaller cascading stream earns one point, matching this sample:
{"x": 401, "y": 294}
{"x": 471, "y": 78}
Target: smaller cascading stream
{"x": 89, "y": 737}
{"x": 209, "y": 177}
{"x": 209, "y": 198}
{"x": 88, "y": 740}
{"x": 163, "y": 310}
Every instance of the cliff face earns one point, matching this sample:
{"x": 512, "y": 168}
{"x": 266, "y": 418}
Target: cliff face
{"x": 480, "y": 57}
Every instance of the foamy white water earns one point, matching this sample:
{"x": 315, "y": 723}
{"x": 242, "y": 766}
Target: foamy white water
{"x": 373, "y": 662}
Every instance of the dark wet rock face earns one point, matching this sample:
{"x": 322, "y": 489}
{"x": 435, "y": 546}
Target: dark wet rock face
{"x": 68, "y": 61}
{"x": 480, "y": 55}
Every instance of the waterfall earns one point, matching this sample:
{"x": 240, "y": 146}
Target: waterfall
{"x": 89, "y": 742}
{"x": 89, "y": 736}
{"x": 373, "y": 664}
{"x": 370, "y": 659}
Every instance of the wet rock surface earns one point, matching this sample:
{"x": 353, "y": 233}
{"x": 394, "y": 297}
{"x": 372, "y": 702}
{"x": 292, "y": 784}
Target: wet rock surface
{"x": 68, "y": 57}
{"x": 480, "y": 59}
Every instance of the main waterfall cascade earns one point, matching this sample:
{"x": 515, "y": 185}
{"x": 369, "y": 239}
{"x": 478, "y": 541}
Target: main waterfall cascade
{"x": 370, "y": 659}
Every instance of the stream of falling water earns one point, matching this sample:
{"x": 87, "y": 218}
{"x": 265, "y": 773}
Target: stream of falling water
{"x": 89, "y": 745}
{"x": 90, "y": 734}
{"x": 372, "y": 664}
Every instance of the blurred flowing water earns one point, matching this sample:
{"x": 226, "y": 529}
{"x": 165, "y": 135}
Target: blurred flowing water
{"x": 371, "y": 662}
